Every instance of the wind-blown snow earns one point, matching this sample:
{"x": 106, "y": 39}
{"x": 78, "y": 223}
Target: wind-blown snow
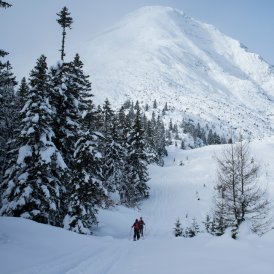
{"x": 161, "y": 53}
{"x": 182, "y": 188}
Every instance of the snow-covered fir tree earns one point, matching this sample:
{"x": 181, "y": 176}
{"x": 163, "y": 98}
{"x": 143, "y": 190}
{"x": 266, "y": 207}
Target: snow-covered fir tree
{"x": 178, "y": 230}
{"x": 107, "y": 126}
{"x": 192, "y": 230}
{"x": 160, "y": 141}
{"x": 23, "y": 91}
{"x": 114, "y": 160}
{"x": 149, "y": 133}
{"x": 86, "y": 192}
{"x": 136, "y": 174}
{"x": 9, "y": 112}
{"x": 33, "y": 186}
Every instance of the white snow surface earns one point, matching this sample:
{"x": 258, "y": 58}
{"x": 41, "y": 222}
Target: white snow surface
{"x": 27, "y": 247}
{"x": 161, "y": 53}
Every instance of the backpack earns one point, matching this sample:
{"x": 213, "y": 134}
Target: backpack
{"x": 136, "y": 225}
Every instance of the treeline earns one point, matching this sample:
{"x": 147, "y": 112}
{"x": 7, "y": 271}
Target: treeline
{"x": 201, "y": 136}
{"x": 61, "y": 156}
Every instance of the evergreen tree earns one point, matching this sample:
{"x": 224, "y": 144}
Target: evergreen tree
{"x": 23, "y": 90}
{"x": 107, "y": 115}
{"x": 166, "y": 107}
{"x": 33, "y": 185}
{"x": 210, "y": 137}
{"x": 221, "y": 221}
{"x": 123, "y": 128}
{"x": 9, "y": 113}
{"x": 216, "y": 139}
{"x": 85, "y": 193}
{"x": 209, "y": 225}
{"x": 192, "y": 230}
{"x": 7, "y": 118}
{"x": 114, "y": 158}
{"x": 4, "y": 4}
{"x": 131, "y": 113}
{"x": 183, "y": 144}
{"x": 150, "y": 144}
{"x": 170, "y": 125}
{"x": 65, "y": 21}
{"x": 110, "y": 148}
{"x": 136, "y": 174}
{"x": 175, "y": 130}
{"x": 65, "y": 95}
{"x": 178, "y": 231}
{"x": 155, "y": 104}
{"x": 65, "y": 101}
{"x": 146, "y": 107}
{"x": 160, "y": 141}
{"x": 168, "y": 137}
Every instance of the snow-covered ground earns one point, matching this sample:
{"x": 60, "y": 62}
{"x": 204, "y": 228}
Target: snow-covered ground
{"x": 177, "y": 191}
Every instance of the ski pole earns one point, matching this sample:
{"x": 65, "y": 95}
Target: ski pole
{"x": 144, "y": 232}
{"x": 130, "y": 233}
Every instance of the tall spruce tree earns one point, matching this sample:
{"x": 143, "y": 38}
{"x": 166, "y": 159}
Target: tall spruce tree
{"x": 108, "y": 130}
{"x": 86, "y": 192}
{"x": 160, "y": 141}
{"x": 65, "y": 100}
{"x": 67, "y": 128}
{"x": 65, "y": 21}
{"x": 33, "y": 185}
{"x": 22, "y": 93}
{"x": 8, "y": 114}
{"x": 114, "y": 159}
{"x": 136, "y": 174}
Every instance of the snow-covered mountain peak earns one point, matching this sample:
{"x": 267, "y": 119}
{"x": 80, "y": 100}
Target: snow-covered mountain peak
{"x": 161, "y": 53}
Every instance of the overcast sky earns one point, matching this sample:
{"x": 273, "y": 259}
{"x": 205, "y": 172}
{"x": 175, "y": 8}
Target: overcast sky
{"x": 29, "y": 28}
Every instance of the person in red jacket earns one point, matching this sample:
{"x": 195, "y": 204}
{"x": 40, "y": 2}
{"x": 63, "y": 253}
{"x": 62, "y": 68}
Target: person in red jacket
{"x": 141, "y": 227}
{"x": 136, "y": 235}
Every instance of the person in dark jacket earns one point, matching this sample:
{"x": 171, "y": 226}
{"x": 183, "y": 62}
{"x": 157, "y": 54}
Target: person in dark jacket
{"x": 141, "y": 227}
{"x": 136, "y": 235}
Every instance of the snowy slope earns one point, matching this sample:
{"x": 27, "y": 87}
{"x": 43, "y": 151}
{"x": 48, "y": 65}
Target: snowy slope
{"x": 161, "y": 53}
{"x": 175, "y": 190}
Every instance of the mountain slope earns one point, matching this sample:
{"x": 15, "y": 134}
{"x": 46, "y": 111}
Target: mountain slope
{"x": 161, "y": 53}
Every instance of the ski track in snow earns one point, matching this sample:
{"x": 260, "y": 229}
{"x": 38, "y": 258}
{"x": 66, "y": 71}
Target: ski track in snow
{"x": 65, "y": 263}
{"x": 87, "y": 260}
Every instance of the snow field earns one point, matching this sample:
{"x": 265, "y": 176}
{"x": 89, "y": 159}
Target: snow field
{"x": 175, "y": 190}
